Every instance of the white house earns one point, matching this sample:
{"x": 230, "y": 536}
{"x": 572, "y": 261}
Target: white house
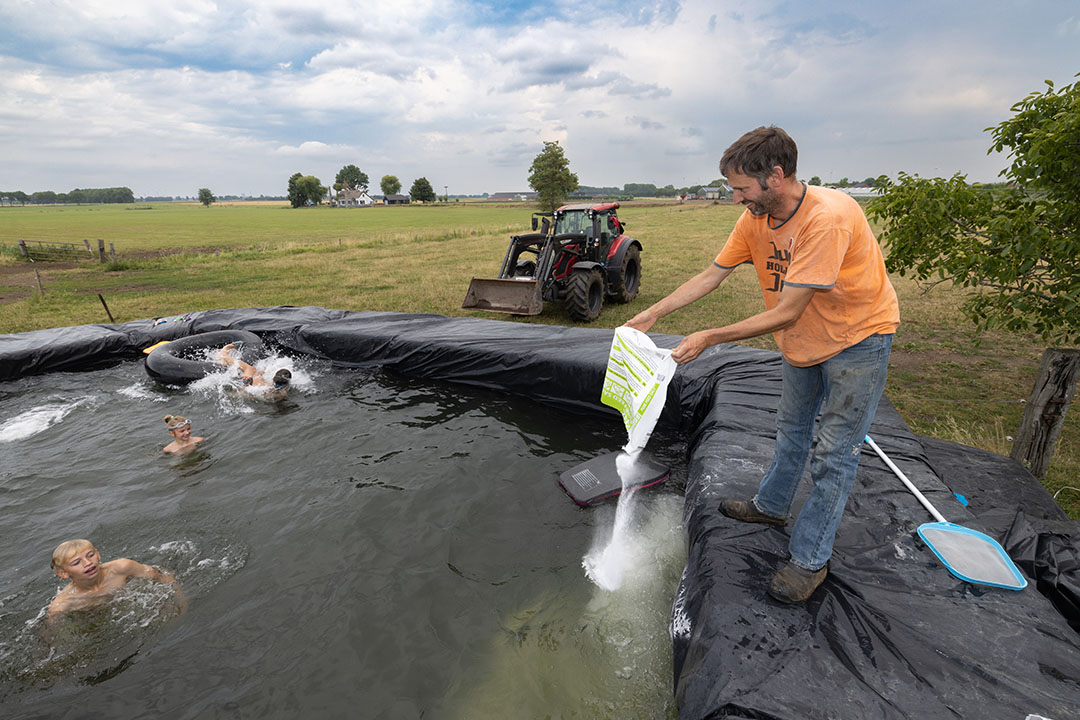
{"x": 353, "y": 198}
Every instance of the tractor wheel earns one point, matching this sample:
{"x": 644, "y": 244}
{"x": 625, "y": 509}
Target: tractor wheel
{"x": 525, "y": 268}
{"x": 585, "y": 295}
{"x": 625, "y": 287}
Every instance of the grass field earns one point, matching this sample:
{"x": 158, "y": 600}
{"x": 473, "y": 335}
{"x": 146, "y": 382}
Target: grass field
{"x": 174, "y": 258}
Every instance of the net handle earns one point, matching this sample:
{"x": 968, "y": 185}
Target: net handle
{"x": 910, "y": 486}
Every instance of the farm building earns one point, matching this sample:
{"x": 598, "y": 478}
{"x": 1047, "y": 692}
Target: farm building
{"x": 353, "y": 198}
{"x": 513, "y": 196}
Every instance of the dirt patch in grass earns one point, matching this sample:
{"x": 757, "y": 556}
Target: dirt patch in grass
{"x": 17, "y": 281}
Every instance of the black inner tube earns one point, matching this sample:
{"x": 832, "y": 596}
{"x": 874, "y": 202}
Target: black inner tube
{"x": 184, "y": 361}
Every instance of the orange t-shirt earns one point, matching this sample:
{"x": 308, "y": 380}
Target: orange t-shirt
{"x": 827, "y": 245}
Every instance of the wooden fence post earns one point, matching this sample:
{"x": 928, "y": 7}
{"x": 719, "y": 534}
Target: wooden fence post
{"x": 1044, "y": 414}
{"x": 22, "y": 247}
{"x": 101, "y": 250}
{"x": 104, "y": 305}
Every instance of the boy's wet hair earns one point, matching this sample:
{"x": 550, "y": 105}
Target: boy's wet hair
{"x": 66, "y": 549}
{"x": 282, "y": 378}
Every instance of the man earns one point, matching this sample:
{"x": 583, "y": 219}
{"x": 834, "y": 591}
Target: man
{"x": 833, "y": 312}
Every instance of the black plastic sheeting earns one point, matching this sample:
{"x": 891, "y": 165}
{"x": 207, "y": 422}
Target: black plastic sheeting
{"x": 890, "y": 634}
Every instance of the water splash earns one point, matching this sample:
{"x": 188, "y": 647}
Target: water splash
{"x": 233, "y": 398}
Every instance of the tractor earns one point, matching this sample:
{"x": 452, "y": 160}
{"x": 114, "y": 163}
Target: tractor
{"x": 577, "y": 254}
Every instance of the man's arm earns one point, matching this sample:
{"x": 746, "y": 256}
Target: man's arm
{"x": 690, "y": 291}
{"x": 792, "y": 303}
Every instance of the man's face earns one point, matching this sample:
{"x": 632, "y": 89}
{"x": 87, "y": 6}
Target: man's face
{"x": 747, "y": 190}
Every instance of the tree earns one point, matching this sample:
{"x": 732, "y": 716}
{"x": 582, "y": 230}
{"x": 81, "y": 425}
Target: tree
{"x": 390, "y": 185}
{"x": 815, "y": 180}
{"x": 206, "y": 197}
{"x": 312, "y": 189}
{"x": 422, "y": 191}
{"x": 352, "y": 177}
{"x": 639, "y": 189}
{"x": 295, "y": 199}
{"x": 305, "y": 190}
{"x": 551, "y": 178}
{"x": 1017, "y": 245}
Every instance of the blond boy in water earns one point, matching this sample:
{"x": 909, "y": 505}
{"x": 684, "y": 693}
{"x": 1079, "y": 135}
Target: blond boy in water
{"x": 93, "y": 582}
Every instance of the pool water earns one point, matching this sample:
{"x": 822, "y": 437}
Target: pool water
{"x": 373, "y": 546}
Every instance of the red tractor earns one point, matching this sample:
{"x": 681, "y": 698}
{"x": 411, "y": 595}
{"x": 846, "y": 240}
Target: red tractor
{"x": 577, "y": 254}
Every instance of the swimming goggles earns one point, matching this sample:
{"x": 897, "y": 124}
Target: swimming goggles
{"x": 177, "y": 426}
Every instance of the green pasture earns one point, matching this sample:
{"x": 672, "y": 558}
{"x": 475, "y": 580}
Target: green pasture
{"x": 180, "y": 227}
{"x": 174, "y": 258}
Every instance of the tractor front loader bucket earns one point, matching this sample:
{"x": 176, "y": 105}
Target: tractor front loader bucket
{"x": 505, "y": 295}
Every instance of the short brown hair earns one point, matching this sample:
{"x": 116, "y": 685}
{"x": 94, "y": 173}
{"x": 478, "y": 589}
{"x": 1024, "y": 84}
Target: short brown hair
{"x": 757, "y": 152}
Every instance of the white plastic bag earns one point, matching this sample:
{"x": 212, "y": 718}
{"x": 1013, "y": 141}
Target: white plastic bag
{"x": 636, "y": 383}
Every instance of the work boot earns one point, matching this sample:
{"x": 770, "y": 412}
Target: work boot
{"x": 746, "y": 511}
{"x": 792, "y": 584}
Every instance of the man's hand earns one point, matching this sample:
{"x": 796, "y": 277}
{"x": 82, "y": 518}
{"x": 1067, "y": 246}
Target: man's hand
{"x": 642, "y": 321}
{"x": 691, "y": 346}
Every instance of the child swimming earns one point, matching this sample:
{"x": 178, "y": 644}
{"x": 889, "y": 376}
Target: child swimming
{"x": 253, "y": 380}
{"x": 180, "y": 428}
{"x": 93, "y": 582}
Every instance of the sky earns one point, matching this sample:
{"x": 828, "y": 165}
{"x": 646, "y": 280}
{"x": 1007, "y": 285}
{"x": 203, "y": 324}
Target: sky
{"x": 168, "y": 97}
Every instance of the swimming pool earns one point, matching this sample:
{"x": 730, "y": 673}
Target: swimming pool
{"x": 372, "y": 547}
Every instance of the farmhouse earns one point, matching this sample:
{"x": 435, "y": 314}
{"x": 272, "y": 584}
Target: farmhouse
{"x": 396, "y": 199}
{"x": 353, "y": 198}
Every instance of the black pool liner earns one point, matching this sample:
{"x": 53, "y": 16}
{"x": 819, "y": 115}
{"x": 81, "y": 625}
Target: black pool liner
{"x": 891, "y": 634}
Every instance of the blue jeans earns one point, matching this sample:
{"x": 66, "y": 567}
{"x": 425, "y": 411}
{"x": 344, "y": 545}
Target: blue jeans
{"x": 846, "y": 389}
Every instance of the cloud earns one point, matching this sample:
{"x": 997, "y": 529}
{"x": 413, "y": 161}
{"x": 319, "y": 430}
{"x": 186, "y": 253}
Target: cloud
{"x": 170, "y": 94}
{"x": 644, "y": 123}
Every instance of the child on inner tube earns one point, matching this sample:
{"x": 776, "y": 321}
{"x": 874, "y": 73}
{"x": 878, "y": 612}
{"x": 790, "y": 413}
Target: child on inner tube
{"x": 252, "y": 379}
{"x": 180, "y": 429}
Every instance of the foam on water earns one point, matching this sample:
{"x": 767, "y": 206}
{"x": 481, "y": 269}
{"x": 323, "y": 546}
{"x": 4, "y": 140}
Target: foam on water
{"x": 142, "y": 390}
{"x": 36, "y": 420}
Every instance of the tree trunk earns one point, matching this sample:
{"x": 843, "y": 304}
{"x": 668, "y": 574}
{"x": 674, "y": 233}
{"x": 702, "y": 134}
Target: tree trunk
{"x": 1044, "y": 415}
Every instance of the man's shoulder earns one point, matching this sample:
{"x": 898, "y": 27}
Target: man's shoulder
{"x": 831, "y": 200}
